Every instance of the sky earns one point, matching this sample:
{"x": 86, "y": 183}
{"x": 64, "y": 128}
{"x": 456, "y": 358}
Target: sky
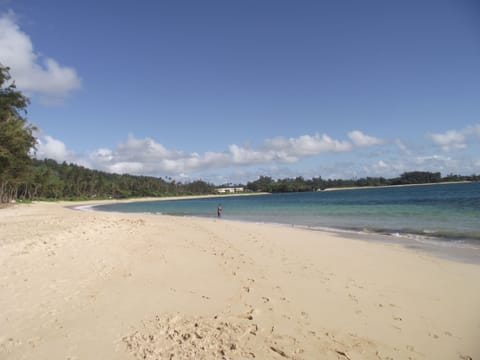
{"x": 226, "y": 91}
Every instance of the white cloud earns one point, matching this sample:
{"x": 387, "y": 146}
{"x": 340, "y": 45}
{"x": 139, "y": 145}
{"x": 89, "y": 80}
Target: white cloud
{"x": 360, "y": 139}
{"x": 240, "y": 155}
{"x": 146, "y": 156}
{"x": 30, "y": 71}
{"x": 430, "y": 158}
{"x": 103, "y": 155}
{"x": 127, "y": 167}
{"x": 50, "y": 148}
{"x": 382, "y": 164}
{"x": 292, "y": 149}
{"x": 276, "y": 157}
{"x": 449, "y": 140}
{"x": 455, "y": 139}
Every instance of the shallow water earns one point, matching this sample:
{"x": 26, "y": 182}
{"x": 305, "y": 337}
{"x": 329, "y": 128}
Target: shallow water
{"x": 447, "y": 215}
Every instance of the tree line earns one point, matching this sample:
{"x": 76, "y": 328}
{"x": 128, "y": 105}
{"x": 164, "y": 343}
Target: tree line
{"x": 51, "y": 180}
{"x": 299, "y": 184}
{"x": 16, "y": 138}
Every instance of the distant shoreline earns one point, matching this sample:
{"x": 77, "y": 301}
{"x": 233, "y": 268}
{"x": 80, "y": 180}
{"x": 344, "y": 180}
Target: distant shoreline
{"x": 92, "y": 203}
{"x": 390, "y": 186}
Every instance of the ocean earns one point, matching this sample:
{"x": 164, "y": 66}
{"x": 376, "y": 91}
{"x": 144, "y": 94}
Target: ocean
{"x": 435, "y": 216}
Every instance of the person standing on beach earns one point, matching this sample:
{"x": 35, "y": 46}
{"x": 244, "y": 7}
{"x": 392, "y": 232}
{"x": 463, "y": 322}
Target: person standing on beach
{"x": 219, "y": 210}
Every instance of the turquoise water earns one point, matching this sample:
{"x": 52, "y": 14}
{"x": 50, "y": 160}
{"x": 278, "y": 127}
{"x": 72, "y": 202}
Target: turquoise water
{"x": 447, "y": 212}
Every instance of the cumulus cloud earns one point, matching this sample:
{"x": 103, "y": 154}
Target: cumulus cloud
{"x": 291, "y": 149}
{"x": 276, "y": 157}
{"x": 455, "y": 139}
{"x": 50, "y": 148}
{"x": 449, "y": 140}
{"x": 146, "y": 156}
{"x": 360, "y": 139}
{"x": 33, "y": 73}
{"x": 127, "y": 167}
{"x": 244, "y": 155}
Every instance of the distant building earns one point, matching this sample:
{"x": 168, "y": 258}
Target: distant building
{"x": 229, "y": 190}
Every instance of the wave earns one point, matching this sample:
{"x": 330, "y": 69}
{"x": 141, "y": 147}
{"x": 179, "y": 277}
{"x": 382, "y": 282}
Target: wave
{"x": 445, "y": 235}
{"x": 84, "y": 207}
{"x": 427, "y": 236}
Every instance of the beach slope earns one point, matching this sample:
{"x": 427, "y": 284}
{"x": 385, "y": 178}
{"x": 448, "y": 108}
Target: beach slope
{"x": 95, "y": 285}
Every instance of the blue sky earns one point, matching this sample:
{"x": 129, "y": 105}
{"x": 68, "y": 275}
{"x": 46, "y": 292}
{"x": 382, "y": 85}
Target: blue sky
{"x": 229, "y": 90}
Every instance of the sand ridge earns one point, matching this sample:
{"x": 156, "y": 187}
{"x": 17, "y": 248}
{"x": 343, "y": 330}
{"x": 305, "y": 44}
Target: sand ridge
{"x": 88, "y": 285}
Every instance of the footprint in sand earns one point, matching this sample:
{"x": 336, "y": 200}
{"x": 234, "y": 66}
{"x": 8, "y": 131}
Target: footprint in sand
{"x": 353, "y": 298}
{"x": 249, "y": 315}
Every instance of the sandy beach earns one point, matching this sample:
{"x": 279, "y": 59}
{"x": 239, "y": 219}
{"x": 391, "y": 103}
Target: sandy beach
{"x": 95, "y": 285}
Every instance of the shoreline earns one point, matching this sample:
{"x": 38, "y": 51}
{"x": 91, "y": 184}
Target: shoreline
{"x": 394, "y": 186}
{"x": 92, "y": 203}
{"x": 94, "y": 284}
{"x": 468, "y": 253}
{"x": 462, "y": 250}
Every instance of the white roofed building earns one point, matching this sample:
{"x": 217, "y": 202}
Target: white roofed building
{"x": 229, "y": 190}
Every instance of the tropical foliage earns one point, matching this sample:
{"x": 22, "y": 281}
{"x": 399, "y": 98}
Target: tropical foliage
{"x": 16, "y": 138}
{"x": 51, "y": 180}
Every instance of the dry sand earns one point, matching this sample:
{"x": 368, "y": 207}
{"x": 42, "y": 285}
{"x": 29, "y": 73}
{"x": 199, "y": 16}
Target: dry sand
{"x": 92, "y": 285}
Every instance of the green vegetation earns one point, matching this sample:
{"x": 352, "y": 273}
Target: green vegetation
{"x": 299, "y": 184}
{"x": 16, "y": 138}
{"x": 51, "y": 180}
